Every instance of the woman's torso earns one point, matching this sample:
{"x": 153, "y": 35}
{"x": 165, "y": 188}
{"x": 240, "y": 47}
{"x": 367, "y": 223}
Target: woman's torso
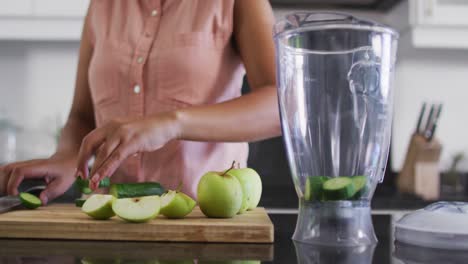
{"x": 155, "y": 56}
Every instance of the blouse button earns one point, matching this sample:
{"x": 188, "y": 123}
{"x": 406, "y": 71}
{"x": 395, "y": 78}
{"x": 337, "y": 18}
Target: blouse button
{"x": 154, "y": 13}
{"x": 140, "y": 60}
{"x": 137, "y": 89}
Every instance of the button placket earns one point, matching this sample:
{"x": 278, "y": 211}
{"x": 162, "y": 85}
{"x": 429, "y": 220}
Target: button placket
{"x": 142, "y": 51}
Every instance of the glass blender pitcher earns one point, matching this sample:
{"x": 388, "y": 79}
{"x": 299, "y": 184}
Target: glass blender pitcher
{"x": 335, "y": 75}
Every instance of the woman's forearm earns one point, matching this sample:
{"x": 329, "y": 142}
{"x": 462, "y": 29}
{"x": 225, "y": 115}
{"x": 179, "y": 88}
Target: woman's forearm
{"x": 73, "y": 133}
{"x": 250, "y": 117}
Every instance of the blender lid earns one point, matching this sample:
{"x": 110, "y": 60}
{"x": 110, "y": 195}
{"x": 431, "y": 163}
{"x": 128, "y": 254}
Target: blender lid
{"x": 439, "y": 225}
{"x": 306, "y": 21}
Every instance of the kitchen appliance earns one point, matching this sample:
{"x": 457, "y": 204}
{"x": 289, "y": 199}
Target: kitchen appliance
{"x": 65, "y": 221}
{"x": 335, "y": 75}
{"x": 412, "y": 254}
{"x": 441, "y": 225}
{"x": 311, "y": 254}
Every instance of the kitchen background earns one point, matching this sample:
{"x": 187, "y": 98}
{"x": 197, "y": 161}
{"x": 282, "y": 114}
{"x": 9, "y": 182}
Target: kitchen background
{"x": 39, "y": 40}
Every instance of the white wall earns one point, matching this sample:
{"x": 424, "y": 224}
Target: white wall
{"x": 36, "y": 88}
{"x": 432, "y": 76}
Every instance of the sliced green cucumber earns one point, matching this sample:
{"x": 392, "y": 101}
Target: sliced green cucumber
{"x": 83, "y": 185}
{"x": 130, "y": 190}
{"x": 314, "y": 188}
{"x": 340, "y": 188}
{"x": 30, "y": 201}
{"x": 360, "y": 186}
{"x": 104, "y": 183}
{"x": 86, "y": 190}
{"x": 80, "y": 202}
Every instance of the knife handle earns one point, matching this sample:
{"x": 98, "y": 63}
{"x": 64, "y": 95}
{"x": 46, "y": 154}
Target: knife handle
{"x": 32, "y": 185}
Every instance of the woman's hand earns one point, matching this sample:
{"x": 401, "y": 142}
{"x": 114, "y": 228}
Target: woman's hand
{"x": 114, "y": 142}
{"x": 58, "y": 172}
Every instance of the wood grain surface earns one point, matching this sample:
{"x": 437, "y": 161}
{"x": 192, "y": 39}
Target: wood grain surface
{"x": 65, "y": 221}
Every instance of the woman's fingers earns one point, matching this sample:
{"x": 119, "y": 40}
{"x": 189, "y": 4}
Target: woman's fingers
{"x": 56, "y": 187}
{"x": 6, "y": 171}
{"x": 88, "y": 146}
{"x": 103, "y": 153}
{"x": 38, "y": 170}
{"x": 111, "y": 164}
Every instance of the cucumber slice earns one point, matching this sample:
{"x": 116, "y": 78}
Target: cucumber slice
{"x": 130, "y": 190}
{"x": 80, "y": 202}
{"x": 30, "y": 201}
{"x": 83, "y": 185}
{"x": 314, "y": 188}
{"x": 340, "y": 188}
{"x": 104, "y": 183}
{"x": 360, "y": 186}
{"x": 86, "y": 190}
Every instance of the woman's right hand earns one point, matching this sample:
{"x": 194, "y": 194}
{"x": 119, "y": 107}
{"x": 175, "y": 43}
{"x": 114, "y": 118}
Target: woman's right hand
{"x": 57, "y": 171}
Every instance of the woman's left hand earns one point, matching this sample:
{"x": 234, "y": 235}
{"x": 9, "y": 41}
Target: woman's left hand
{"x": 117, "y": 140}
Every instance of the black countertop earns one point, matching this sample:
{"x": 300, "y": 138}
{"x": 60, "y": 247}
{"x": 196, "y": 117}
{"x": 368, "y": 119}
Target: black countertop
{"x": 13, "y": 251}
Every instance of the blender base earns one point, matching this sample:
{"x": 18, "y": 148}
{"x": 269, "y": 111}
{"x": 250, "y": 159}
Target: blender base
{"x": 335, "y": 223}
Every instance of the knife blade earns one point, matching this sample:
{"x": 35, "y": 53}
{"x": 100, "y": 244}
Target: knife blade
{"x": 10, "y": 202}
{"x": 429, "y": 121}
{"x": 421, "y": 115}
{"x": 435, "y": 123}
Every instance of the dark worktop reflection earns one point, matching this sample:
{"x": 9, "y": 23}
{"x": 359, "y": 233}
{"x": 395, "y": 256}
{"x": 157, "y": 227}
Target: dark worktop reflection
{"x": 283, "y": 251}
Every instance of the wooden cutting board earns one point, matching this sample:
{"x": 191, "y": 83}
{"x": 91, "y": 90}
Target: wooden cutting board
{"x": 65, "y": 221}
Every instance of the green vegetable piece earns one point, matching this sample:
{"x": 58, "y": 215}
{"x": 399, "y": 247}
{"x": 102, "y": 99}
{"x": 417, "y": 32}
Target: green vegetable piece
{"x": 360, "y": 186}
{"x": 30, "y": 201}
{"x": 83, "y": 185}
{"x": 339, "y": 188}
{"x": 314, "y": 188}
{"x": 86, "y": 190}
{"x": 79, "y": 202}
{"x": 130, "y": 190}
{"x": 104, "y": 183}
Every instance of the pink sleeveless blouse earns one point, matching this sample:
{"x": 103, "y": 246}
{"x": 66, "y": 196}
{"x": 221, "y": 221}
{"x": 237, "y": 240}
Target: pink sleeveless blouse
{"x": 154, "y": 56}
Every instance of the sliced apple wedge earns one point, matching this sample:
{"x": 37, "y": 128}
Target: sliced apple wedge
{"x": 176, "y": 204}
{"x": 99, "y": 206}
{"x": 137, "y": 210}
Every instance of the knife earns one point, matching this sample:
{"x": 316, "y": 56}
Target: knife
{"x": 429, "y": 121}
{"x": 10, "y": 202}
{"x": 434, "y": 125}
{"x": 421, "y": 115}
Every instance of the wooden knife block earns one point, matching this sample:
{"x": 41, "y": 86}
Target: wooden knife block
{"x": 420, "y": 172}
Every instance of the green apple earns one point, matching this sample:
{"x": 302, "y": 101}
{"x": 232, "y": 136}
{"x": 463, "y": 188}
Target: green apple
{"x": 138, "y": 209}
{"x": 251, "y": 187}
{"x": 176, "y": 204}
{"x": 99, "y": 206}
{"x": 219, "y": 194}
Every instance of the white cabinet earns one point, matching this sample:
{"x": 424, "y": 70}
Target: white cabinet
{"x": 15, "y": 8}
{"x": 439, "y": 23}
{"x": 54, "y": 20}
{"x": 60, "y": 8}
